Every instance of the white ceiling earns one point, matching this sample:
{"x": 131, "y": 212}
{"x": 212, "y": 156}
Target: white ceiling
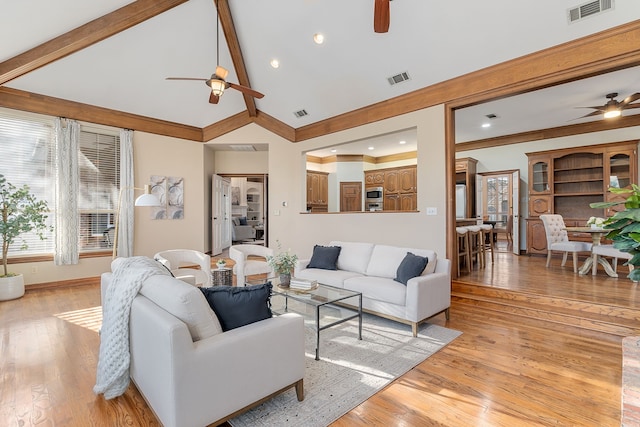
{"x": 432, "y": 41}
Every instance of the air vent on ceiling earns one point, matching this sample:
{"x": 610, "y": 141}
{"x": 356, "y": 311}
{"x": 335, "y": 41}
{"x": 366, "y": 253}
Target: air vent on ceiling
{"x": 589, "y": 9}
{"x": 300, "y": 113}
{"x": 243, "y": 147}
{"x": 491, "y": 116}
{"x": 398, "y": 78}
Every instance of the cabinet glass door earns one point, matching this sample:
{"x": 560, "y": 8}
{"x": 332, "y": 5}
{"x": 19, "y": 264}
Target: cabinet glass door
{"x": 540, "y": 177}
{"x": 619, "y": 171}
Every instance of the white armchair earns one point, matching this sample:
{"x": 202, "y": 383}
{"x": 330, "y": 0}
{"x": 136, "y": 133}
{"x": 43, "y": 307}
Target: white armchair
{"x": 245, "y": 262}
{"x": 558, "y": 240}
{"x": 179, "y": 261}
{"x": 192, "y": 375}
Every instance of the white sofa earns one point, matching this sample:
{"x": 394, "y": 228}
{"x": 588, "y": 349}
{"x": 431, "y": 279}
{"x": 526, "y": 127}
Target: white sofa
{"x": 370, "y": 269}
{"x": 193, "y": 374}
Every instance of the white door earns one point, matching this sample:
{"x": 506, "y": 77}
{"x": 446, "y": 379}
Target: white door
{"x": 221, "y": 227}
{"x": 515, "y": 200}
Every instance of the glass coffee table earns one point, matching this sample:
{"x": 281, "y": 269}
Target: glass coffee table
{"x": 322, "y": 307}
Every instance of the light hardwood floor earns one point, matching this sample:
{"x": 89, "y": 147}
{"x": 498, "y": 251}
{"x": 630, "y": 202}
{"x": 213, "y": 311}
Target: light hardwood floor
{"x": 504, "y": 370}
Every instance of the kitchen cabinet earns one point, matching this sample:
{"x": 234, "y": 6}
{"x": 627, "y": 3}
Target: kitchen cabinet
{"x": 317, "y": 191}
{"x": 399, "y": 187}
{"x": 567, "y": 181}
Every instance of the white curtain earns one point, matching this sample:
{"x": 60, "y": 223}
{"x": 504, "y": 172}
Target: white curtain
{"x": 67, "y": 188}
{"x": 125, "y": 214}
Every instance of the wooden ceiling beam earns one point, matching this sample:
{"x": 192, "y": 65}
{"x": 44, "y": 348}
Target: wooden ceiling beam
{"x": 83, "y": 36}
{"x": 229, "y": 29}
{"x": 42, "y": 104}
{"x": 225, "y": 126}
{"x": 550, "y": 133}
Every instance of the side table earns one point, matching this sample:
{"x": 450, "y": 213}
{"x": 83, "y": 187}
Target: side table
{"x": 222, "y": 276}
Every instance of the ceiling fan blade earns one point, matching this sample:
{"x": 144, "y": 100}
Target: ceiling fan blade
{"x": 186, "y": 78}
{"x": 593, "y": 113}
{"x": 629, "y": 99}
{"x": 221, "y": 72}
{"x": 213, "y": 99}
{"x": 246, "y": 90}
{"x": 600, "y": 108}
{"x": 381, "y": 16}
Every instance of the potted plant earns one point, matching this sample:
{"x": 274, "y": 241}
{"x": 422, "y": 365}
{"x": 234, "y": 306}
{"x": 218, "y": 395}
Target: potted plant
{"x": 20, "y": 212}
{"x": 624, "y": 226}
{"x": 221, "y": 263}
{"x": 283, "y": 264}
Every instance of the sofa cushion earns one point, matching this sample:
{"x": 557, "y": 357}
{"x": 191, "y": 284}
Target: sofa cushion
{"x": 410, "y": 267}
{"x": 324, "y": 257}
{"x": 327, "y": 277}
{"x": 185, "y": 302}
{"x": 243, "y": 220}
{"x": 354, "y": 256}
{"x": 239, "y": 306}
{"x": 385, "y": 260}
{"x": 378, "y": 288}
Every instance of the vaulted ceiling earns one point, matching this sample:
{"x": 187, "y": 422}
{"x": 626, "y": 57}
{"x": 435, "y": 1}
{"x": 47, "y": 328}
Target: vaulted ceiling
{"x": 107, "y": 61}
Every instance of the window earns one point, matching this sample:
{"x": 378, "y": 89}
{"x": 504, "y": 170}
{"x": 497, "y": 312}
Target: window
{"x": 99, "y": 163}
{"x": 497, "y": 197}
{"x": 26, "y": 157}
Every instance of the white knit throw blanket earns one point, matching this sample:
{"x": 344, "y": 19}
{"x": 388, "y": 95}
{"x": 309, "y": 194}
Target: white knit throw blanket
{"x": 112, "y": 376}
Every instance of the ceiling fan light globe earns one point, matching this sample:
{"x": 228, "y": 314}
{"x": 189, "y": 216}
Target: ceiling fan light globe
{"x": 612, "y": 113}
{"x": 217, "y": 87}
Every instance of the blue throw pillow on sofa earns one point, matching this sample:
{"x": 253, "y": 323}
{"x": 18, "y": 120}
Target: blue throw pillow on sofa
{"x": 324, "y": 257}
{"x": 243, "y": 220}
{"x": 239, "y": 306}
{"x": 410, "y": 267}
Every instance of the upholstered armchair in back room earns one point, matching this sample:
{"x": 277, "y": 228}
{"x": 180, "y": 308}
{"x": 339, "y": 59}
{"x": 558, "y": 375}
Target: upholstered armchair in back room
{"x": 242, "y": 230}
{"x": 558, "y": 240}
{"x": 249, "y": 260}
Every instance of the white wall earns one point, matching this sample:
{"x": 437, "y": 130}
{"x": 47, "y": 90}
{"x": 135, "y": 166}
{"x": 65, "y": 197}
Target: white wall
{"x": 287, "y": 194}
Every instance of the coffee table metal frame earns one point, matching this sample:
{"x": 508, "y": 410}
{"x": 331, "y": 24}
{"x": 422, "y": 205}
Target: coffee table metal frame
{"x": 319, "y": 298}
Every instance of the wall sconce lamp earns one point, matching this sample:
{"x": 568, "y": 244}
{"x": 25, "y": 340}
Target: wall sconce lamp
{"x": 146, "y": 199}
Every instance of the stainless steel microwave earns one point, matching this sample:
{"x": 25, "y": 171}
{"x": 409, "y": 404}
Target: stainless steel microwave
{"x": 373, "y": 194}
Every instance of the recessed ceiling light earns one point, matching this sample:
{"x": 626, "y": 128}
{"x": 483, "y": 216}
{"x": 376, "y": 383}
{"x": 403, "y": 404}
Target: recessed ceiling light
{"x": 334, "y": 150}
{"x": 403, "y": 142}
{"x": 275, "y": 63}
{"x": 318, "y": 38}
{"x": 486, "y": 125}
{"x": 372, "y": 148}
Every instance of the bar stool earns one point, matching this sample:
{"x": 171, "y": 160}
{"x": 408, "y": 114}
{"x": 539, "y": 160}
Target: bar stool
{"x": 476, "y": 244}
{"x": 462, "y": 248}
{"x": 488, "y": 238}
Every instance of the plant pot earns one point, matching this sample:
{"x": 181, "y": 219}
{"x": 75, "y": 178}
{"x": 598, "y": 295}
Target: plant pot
{"x": 11, "y": 287}
{"x": 285, "y": 280}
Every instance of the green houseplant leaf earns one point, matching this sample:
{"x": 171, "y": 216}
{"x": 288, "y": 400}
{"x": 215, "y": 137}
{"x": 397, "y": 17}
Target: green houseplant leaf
{"x": 624, "y": 226}
{"x": 20, "y": 212}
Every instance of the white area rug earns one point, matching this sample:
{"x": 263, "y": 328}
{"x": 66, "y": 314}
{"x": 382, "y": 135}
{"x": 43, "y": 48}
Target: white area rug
{"x": 349, "y": 372}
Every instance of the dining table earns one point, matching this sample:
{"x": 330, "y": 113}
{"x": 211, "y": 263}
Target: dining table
{"x": 596, "y": 237}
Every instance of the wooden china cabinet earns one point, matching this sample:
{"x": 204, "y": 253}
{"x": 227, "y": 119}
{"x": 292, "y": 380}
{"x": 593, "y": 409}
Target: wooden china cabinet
{"x": 567, "y": 181}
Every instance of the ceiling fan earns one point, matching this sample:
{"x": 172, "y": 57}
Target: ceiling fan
{"x": 217, "y": 82}
{"x": 614, "y": 108}
{"x": 381, "y": 16}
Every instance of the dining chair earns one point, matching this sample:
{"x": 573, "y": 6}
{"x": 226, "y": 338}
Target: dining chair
{"x": 507, "y": 229}
{"x": 558, "y": 240}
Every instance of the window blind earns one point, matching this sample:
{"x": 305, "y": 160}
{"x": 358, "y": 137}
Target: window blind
{"x": 26, "y": 149}
{"x": 99, "y": 163}
{"x": 26, "y": 157}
